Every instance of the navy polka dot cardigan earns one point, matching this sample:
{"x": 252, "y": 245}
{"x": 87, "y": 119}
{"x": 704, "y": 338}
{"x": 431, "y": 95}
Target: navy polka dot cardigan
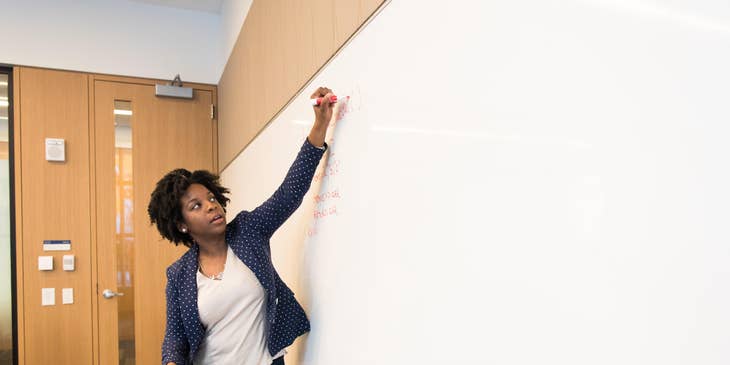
{"x": 248, "y": 236}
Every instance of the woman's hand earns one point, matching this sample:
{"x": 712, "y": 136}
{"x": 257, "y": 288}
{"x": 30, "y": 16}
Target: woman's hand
{"x": 323, "y": 111}
{"x": 322, "y": 116}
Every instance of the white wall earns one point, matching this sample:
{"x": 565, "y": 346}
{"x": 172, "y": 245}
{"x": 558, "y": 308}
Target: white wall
{"x": 120, "y": 37}
{"x": 234, "y": 13}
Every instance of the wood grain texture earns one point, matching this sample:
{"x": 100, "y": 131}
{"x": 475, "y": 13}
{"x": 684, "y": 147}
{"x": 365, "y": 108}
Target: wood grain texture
{"x": 55, "y": 201}
{"x": 281, "y": 46}
{"x": 94, "y": 234}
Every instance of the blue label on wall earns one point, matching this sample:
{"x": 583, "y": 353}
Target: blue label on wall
{"x": 56, "y": 245}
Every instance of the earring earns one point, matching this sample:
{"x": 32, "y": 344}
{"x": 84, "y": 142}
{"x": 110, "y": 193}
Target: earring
{"x": 184, "y": 230}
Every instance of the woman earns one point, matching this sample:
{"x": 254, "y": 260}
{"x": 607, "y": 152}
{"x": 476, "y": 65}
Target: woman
{"x": 226, "y": 304}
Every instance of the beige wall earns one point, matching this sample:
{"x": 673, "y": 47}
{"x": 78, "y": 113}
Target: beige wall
{"x": 280, "y": 47}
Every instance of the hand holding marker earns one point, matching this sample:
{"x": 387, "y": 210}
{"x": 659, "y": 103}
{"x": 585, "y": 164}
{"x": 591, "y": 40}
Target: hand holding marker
{"x": 317, "y": 101}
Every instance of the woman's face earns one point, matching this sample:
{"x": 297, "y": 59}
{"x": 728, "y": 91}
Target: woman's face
{"x": 203, "y": 215}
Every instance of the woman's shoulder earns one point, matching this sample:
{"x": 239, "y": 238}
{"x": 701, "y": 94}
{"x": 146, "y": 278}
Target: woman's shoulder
{"x": 238, "y": 224}
{"x": 239, "y": 218}
{"x": 176, "y": 267}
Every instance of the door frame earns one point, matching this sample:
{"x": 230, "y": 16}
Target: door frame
{"x": 10, "y": 72}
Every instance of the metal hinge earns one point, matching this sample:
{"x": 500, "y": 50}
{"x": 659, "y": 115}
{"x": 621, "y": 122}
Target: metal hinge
{"x": 212, "y": 111}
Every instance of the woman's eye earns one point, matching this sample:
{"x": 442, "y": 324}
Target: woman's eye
{"x": 196, "y": 205}
{"x": 212, "y": 199}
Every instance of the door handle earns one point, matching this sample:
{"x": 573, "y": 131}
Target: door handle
{"x": 108, "y": 294}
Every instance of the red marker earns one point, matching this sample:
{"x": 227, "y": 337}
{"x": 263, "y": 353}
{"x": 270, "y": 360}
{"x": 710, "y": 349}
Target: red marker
{"x": 317, "y": 101}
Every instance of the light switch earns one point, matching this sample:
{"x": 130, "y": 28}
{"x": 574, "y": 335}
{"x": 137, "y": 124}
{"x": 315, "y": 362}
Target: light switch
{"x": 67, "y": 295}
{"x": 69, "y": 262}
{"x": 48, "y": 296}
{"x": 45, "y": 263}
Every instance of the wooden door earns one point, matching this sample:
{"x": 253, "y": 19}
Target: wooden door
{"x": 131, "y": 256}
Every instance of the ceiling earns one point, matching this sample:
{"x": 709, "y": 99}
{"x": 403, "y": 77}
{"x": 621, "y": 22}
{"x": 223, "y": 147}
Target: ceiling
{"x": 209, "y": 6}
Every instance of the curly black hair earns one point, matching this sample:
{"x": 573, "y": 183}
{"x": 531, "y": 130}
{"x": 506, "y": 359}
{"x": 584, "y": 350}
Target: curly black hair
{"x": 165, "y": 209}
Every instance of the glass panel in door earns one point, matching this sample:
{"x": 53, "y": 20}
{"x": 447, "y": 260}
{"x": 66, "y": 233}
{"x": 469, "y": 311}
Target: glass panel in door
{"x": 124, "y": 232}
{"x": 6, "y": 290}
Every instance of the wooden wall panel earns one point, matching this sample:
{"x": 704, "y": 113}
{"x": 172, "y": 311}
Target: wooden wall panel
{"x": 55, "y": 201}
{"x": 281, "y": 46}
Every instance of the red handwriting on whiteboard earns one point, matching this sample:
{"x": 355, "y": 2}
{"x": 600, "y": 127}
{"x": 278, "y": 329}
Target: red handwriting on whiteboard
{"x": 332, "y": 168}
{"x": 325, "y": 212}
{"x": 312, "y": 231}
{"x": 319, "y": 198}
{"x": 344, "y": 109}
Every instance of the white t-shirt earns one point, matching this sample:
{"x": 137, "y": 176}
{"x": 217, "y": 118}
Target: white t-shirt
{"x": 232, "y": 311}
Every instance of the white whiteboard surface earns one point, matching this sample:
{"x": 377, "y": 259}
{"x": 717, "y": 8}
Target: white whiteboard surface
{"x": 514, "y": 182}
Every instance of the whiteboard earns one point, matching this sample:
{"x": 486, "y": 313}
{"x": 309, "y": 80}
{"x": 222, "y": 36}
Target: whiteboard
{"x": 513, "y": 182}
